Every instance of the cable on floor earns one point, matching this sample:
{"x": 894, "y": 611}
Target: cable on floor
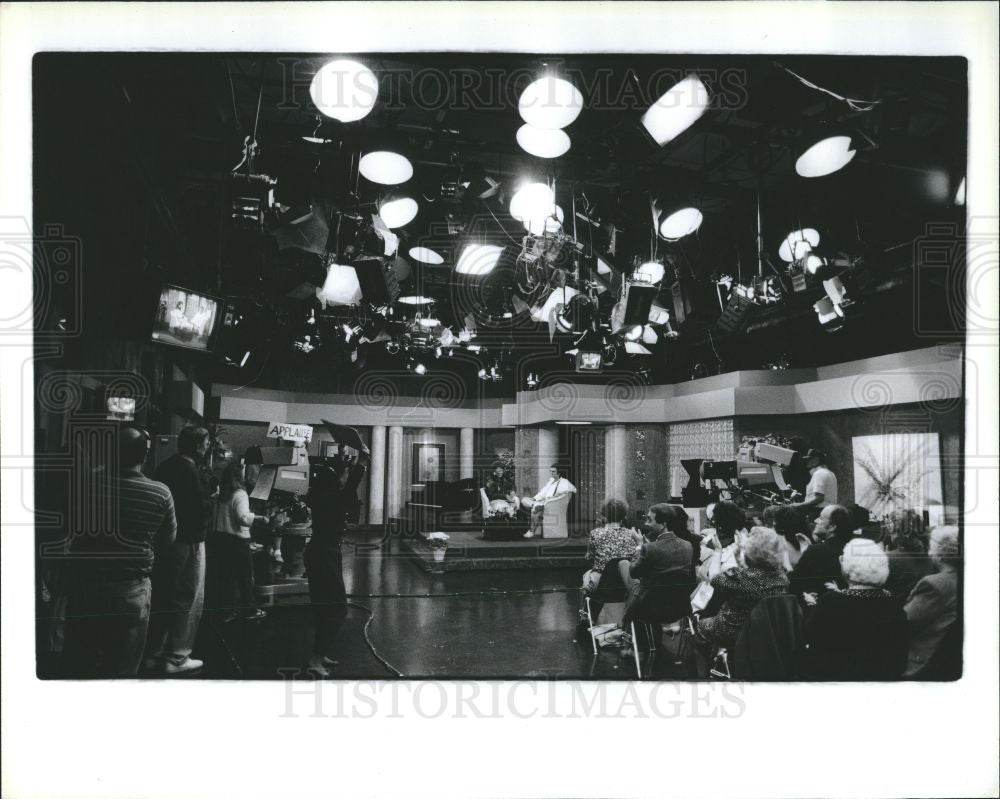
{"x": 378, "y": 656}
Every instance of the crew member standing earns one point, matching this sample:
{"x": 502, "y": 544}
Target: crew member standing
{"x": 822, "y": 488}
{"x": 332, "y": 495}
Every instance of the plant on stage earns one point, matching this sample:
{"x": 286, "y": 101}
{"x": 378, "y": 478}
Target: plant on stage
{"x": 438, "y": 540}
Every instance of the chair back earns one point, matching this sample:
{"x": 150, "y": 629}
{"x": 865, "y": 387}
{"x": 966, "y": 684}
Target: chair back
{"x": 770, "y": 645}
{"x": 554, "y": 517}
{"x": 610, "y": 588}
{"x": 665, "y": 603}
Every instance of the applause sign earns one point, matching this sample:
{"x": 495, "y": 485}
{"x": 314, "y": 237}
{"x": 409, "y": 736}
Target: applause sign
{"x": 290, "y": 432}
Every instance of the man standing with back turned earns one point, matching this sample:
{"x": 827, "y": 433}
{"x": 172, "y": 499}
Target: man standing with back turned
{"x": 179, "y": 588}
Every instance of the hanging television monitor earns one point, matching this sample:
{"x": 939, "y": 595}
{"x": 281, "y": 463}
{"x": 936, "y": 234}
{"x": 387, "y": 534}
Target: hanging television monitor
{"x": 185, "y": 318}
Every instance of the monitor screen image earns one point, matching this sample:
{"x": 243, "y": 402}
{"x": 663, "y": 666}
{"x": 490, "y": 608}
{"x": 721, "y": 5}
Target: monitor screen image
{"x": 185, "y": 318}
{"x": 121, "y": 408}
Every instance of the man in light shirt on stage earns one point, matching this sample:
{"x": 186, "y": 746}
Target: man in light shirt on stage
{"x": 557, "y": 486}
{"x": 822, "y": 488}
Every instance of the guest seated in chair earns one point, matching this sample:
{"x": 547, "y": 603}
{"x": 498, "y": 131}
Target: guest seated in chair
{"x": 610, "y": 541}
{"x": 500, "y": 494}
{"x": 557, "y": 486}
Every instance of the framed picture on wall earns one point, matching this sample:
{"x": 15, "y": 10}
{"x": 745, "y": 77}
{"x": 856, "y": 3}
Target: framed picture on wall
{"x": 428, "y": 463}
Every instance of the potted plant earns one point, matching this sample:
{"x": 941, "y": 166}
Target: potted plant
{"x": 439, "y": 544}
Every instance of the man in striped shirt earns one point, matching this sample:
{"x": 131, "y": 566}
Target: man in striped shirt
{"x": 109, "y": 606}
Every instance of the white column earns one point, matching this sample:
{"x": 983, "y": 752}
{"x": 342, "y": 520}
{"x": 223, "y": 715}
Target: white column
{"x": 394, "y": 478}
{"x": 548, "y": 453}
{"x": 614, "y": 462}
{"x": 466, "y": 453}
{"x": 376, "y": 477}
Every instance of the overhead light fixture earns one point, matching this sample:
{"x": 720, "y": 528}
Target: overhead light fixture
{"x": 634, "y": 333}
{"x": 812, "y": 263}
{"x": 550, "y": 223}
{"x": 571, "y": 423}
{"x": 576, "y": 315}
{"x": 541, "y": 142}
{"x": 676, "y": 110}
{"x": 635, "y": 348}
{"x": 398, "y": 212}
{"x": 658, "y": 315}
{"x": 344, "y": 90}
{"x": 798, "y": 244}
{"x": 562, "y": 295}
{"x": 960, "y": 194}
{"x": 634, "y": 307}
{"x": 550, "y": 103}
{"x": 831, "y": 316}
{"x": 426, "y": 256}
{"x": 681, "y": 223}
{"x": 419, "y": 369}
{"x": 415, "y": 299}
{"x": 649, "y": 336}
{"x": 532, "y": 201}
{"x": 650, "y": 272}
{"x": 478, "y": 259}
{"x": 385, "y": 167}
{"x": 825, "y": 157}
{"x": 589, "y": 352}
{"x": 341, "y": 286}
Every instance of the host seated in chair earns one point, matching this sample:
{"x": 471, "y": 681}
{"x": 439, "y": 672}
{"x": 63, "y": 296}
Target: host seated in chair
{"x": 557, "y": 487}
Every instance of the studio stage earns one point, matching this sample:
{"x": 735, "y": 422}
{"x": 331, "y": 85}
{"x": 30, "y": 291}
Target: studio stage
{"x": 469, "y": 551}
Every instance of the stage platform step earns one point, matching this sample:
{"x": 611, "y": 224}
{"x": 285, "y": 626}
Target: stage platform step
{"x": 468, "y": 551}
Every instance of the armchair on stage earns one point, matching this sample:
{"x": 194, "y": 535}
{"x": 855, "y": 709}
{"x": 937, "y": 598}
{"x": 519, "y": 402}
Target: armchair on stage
{"x": 554, "y": 523}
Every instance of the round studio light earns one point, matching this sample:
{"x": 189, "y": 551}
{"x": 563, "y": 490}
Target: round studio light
{"x": 425, "y": 256}
{"x": 551, "y": 222}
{"x": 797, "y": 244}
{"x": 676, "y": 110}
{"x": 681, "y": 223}
{"x": 478, "y": 259}
{"x": 415, "y": 299}
{"x": 550, "y": 103}
{"x": 344, "y": 90}
{"x": 825, "y": 157}
{"x": 814, "y": 263}
{"x": 649, "y": 272}
{"x": 385, "y": 167}
{"x": 541, "y": 142}
{"x": 634, "y": 333}
{"x": 532, "y": 201}
{"x": 398, "y": 212}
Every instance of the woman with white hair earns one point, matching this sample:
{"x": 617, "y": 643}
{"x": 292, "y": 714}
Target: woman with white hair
{"x": 761, "y": 574}
{"x": 932, "y": 612}
{"x": 858, "y": 633}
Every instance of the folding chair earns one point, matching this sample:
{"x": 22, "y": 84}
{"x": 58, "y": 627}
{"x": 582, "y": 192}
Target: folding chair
{"x": 609, "y": 595}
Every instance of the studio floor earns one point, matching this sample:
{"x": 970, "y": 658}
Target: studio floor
{"x": 500, "y": 624}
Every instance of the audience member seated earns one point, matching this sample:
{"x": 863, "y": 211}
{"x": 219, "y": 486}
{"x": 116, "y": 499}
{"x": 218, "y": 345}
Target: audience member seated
{"x": 858, "y": 633}
{"x": 557, "y": 486}
{"x": 932, "y": 613}
{"x": 718, "y": 545}
{"x": 658, "y": 579}
{"x": 908, "y": 558}
{"x": 790, "y": 523}
{"x": 678, "y": 522}
{"x": 760, "y": 573}
{"x": 819, "y": 567}
{"x": 611, "y": 541}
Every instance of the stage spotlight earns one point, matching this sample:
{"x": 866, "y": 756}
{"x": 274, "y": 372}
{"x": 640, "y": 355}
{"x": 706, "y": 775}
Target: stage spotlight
{"x": 392, "y": 347}
{"x": 426, "y": 256}
{"x": 635, "y": 348}
{"x": 550, "y": 103}
{"x": 960, "y": 193}
{"x": 658, "y": 315}
{"x": 634, "y": 333}
{"x": 419, "y": 369}
{"x": 831, "y": 316}
{"x": 681, "y": 223}
{"x": 650, "y": 336}
{"x": 542, "y": 143}
{"x": 532, "y": 201}
{"x": 577, "y": 315}
{"x": 544, "y": 310}
{"x": 341, "y": 286}
{"x": 676, "y": 110}
{"x": 415, "y": 299}
{"x": 385, "y": 167}
{"x": 798, "y": 244}
{"x": 589, "y": 352}
{"x": 649, "y": 272}
{"x": 344, "y": 90}
{"x": 531, "y": 381}
{"x": 478, "y": 259}
{"x": 398, "y": 212}
{"x": 634, "y": 307}
{"x": 825, "y": 157}
{"x": 551, "y": 222}
{"x": 812, "y": 263}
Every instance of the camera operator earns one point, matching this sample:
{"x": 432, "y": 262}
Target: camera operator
{"x": 332, "y": 496}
